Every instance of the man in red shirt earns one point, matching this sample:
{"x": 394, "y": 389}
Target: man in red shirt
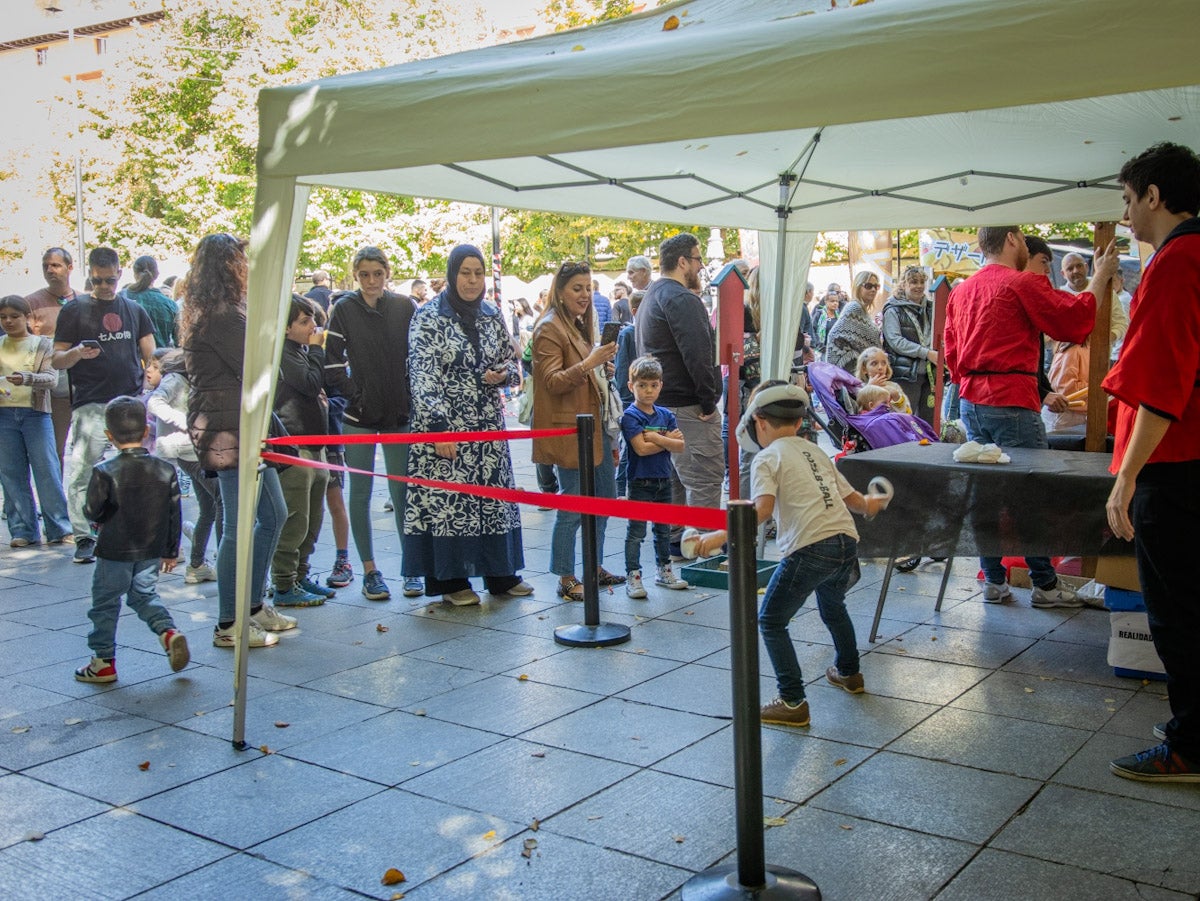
{"x": 1156, "y": 498}
{"x": 993, "y": 320}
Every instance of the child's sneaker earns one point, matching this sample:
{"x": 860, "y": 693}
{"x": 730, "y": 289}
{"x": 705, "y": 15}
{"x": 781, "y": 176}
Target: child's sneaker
{"x": 227, "y": 638}
{"x": 784, "y": 714}
{"x": 633, "y": 585}
{"x": 97, "y": 670}
{"x": 342, "y": 575}
{"x": 666, "y": 577}
{"x": 271, "y": 620}
{"x": 297, "y": 597}
{"x": 194, "y": 575}
{"x": 313, "y": 588}
{"x": 175, "y": 644}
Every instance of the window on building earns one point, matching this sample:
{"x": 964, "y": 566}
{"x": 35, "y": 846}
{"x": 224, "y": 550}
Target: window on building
{"x": 101, "y": 46}
{"x": 41, "y": 54}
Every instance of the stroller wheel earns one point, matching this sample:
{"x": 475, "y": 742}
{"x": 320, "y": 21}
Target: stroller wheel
{"x": 908, "y": 564}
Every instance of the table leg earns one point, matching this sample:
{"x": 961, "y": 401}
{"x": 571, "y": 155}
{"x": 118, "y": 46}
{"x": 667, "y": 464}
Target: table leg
{"x": 883, "y": 590}
{"x": 942, "y": 590}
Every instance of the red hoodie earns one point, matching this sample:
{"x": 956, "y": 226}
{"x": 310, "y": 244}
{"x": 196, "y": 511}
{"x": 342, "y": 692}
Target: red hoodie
{"x": 992, "y": 324}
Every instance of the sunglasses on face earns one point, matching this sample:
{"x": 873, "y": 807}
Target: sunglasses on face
{"x": 109, "y": 280}
{"x": 872, "y": 286}
{"x": 570, "y": 270}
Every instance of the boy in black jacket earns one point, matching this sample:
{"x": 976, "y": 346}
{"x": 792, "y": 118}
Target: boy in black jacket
{"x": 299, "y": 404}
{"x": 133, "y": 498}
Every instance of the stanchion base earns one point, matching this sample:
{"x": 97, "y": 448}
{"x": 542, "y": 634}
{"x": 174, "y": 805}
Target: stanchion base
{"x": 721, "y": 884}
{"x": 598, "y": 636}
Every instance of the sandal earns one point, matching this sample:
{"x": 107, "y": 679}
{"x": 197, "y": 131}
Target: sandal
{"x": 908, "y": 564}
{"x": 607, "y": 579}
{"x": 570, "y": 589}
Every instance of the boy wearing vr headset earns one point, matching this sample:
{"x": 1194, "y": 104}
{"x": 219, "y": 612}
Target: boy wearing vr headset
{"x": 796, "y": 482}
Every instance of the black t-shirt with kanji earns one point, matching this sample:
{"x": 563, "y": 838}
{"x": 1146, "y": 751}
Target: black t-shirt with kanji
{"x": 118, "y": 325}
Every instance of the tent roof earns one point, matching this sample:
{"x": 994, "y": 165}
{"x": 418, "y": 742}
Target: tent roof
{"x": 893, "y": 113}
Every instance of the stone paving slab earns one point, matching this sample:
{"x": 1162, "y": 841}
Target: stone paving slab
{"x": 972, "y": 765}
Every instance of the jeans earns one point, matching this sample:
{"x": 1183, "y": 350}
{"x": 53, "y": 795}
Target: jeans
{"x": 562, "y": 542}
{"x": 659, "y": 492}
{"x": 86, "y": 443}
{"x": 700, "y": 469}
{"x": 826, "y": 567}
{"x": 1009, "y": 427}
{"x": 304, "y": 496}
{"x": 1165, "y": 509}
{"x": 27, "y": 446}
{"x": 395, "y": 463}
{"x": 208, "y": 497}
{"x": 138, "y": 581}
{"x": 268, "y": 523}
{"x": 546, "y": 479}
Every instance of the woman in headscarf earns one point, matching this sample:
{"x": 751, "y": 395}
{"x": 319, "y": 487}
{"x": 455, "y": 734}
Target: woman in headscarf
{"x": 460, "y": 357}
{"x": 855, "y": 329}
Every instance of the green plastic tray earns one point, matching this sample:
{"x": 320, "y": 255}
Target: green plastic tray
{"x": 708, "y": 573}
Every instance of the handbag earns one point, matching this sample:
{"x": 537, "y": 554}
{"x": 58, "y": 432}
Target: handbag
{"x": 613, "y": 410}
{"x": 525, "y": 404}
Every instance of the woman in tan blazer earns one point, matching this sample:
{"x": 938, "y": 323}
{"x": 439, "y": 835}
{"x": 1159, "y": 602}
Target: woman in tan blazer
{"x": 567, "y": 381}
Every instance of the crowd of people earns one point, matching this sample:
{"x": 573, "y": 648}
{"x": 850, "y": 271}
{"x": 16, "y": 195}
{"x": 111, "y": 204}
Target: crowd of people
{"x": 116, "y": 398}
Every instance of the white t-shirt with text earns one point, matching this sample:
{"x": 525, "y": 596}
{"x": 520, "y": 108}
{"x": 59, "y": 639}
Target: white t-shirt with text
{"x": 808, "y": 492}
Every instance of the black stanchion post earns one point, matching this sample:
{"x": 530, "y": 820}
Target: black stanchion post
{"x": 591, "y": 633}
{"x": 750, "y": 877}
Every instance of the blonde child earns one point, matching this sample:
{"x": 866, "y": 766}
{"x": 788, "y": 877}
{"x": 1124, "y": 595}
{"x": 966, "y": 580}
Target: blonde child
{"x": 872, "y": 396}
{"x": 875, "y": 369}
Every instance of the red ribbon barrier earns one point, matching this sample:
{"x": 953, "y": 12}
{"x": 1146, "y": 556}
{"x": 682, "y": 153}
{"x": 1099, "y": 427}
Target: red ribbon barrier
{"x": 418, "y": 437}
{"x": 705, "y": 518}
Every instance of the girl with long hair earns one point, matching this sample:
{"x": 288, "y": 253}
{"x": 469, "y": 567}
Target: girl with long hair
{"x": 213, "y": 333}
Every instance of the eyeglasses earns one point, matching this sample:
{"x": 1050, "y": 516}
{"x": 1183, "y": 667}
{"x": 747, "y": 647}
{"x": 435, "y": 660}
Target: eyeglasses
{"x": 699, "y": 260}
{"x": 871, "y": 286}
{"x": 109, "y": 280}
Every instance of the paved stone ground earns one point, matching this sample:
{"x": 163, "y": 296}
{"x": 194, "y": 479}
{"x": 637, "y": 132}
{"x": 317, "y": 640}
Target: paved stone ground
{"x": 974, "y": 768}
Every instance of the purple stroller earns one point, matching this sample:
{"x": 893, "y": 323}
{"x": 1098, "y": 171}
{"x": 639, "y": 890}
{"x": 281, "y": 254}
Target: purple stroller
{"x": 877, "y": 428}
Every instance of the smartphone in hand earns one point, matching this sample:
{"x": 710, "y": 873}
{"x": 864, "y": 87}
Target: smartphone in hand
{"x": 611, "y": 330}
{"x": 90, "y": 344}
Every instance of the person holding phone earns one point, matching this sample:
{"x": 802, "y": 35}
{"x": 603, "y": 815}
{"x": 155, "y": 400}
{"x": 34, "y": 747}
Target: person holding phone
{"x": 567, "y": 375}
{"x": 461, "y": 356}
{"x": 104, "y": 341}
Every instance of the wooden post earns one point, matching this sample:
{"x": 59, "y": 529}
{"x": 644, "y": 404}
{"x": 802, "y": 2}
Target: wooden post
{"x": 941, "y": 297}
{"x": 1100, "y": 347}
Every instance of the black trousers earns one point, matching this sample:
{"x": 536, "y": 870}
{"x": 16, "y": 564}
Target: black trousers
{"x": 1165, "y": 512}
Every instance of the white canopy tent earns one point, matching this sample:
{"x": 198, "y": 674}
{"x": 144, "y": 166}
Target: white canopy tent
{"x": 887, "y": 114}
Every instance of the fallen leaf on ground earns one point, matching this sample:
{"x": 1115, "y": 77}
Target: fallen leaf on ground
{"x": 689, "y": 612}
{"x": 527, "y": 853}
{"x": 577, "y": 48}
{"x": 1110, "y": 700}
{"x": 774, "y": 821}
{"x": 392, "y": 877}
{"x": 530, "y": 844}
{"x": 280, "y": 724}
{"x": 420, "y": 711}
{"x": 34, "y": 836}
{"x": 73, "y": 721}
{"x": 265, "y": 749}
{"x": 489, "y": 835}
{"x": 537, "y": 753}
{"x": 635, "y": 738}
{"x": 535, "y": 825}
{"x": 671, "y": 23}
{"x": 144, "y": 765}
{"x": 397, "y": 896}
{"x": 640, "y": 651}
{"x": 933, "y": 638}
{"x": 19, "y": 730}
{"x": 845, "y": 826}
{"x": 841, "y": 761}
{"x": 679, "y": 839}
{"x": 414, "y": 763}
{"x": 524, "y": 677}
{"x": 1028, "y": 691}
{"x": 595, "y": 816}
{"x": 380, "y": 627}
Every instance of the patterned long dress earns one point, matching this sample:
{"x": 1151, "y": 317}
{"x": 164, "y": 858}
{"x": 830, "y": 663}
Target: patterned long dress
{"x": 449, "y": 535}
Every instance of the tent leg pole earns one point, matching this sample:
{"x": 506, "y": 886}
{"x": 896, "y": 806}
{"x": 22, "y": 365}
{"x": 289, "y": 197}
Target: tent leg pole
{"x": 785, "y": 187}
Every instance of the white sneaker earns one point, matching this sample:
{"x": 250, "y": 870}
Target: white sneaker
{"x": 994, "y": 593}
{"x": 194, "y": 575}
{"x": 1058, "y": 596}
{"x": 271, "y": 620}
{"x": 633, "y": 585}
{"x": 666, "y": 577}
{"x": 226, "y": 638}
{"x": 465, "y": 598}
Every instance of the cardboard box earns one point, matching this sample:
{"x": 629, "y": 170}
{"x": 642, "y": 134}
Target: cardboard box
{"x": 1118, "y": 572}
{"x": 1131, "y": 649}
